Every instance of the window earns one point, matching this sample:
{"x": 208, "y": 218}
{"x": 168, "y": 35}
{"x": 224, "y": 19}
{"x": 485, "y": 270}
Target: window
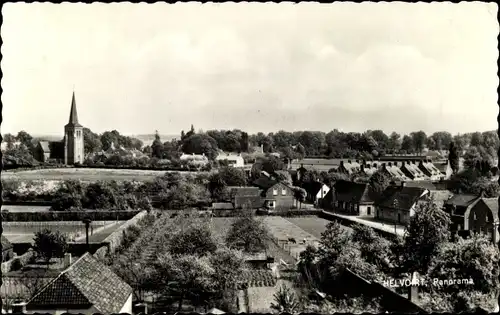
{"x": 283, "y": 192}
{"x": 275, "y": 192}
{"x": 459, "y": 227}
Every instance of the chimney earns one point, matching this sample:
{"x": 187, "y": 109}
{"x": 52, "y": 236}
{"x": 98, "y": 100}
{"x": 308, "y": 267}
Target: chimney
{"x": 402, "y": 163}
{"x": 403, "y": 183}
{"x": 390, "y": 164}
{"x": 349, "y": 161}
{"x": 19, "y": 307}
{"x": 192, "y": 154}
{"x": 413, "y": 289}
{"x": 341, "y": 163}
{"x": 362, "y": 168}
{"x": 383, "y": 165}
{"x": 375, "y": 165}
{"x": 357, "y": 161}
{"x": 67, "y": 260}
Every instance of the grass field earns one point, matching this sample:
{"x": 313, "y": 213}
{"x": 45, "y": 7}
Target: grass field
{"x": 311, "y": 224}
{"x": 23, "y": 232}
{"x": 84, "y": 174}
{"x": 26, "y": 208}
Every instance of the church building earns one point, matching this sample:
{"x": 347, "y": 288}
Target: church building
{"x": 70, "y": 150}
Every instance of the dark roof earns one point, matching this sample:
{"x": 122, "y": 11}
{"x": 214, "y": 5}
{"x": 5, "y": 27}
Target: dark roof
{"x": 313, "y": 187}
{"x": 244, "y": 191}
{"x": 264, "y": 182}
{"x": 6, "y": 244}
{"x": 441, "y": 166}
{"x": 397, "y": 197}
{"x": 353, "y": 192}
{"x": 73, "y": 115}
{"x": 462, "y": 200}
{"x": 87, "y": 282}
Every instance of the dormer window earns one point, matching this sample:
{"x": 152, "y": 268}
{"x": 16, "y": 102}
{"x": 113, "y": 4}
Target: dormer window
{"x": 275, "y": 192}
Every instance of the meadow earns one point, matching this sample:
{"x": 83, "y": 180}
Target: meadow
{"x": 83, "y": 174}
{"x": 23, "y": 232}
{"x": 312, "y": 224}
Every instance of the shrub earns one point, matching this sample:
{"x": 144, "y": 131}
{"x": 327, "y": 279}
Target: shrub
{"x": 16, "y": 265}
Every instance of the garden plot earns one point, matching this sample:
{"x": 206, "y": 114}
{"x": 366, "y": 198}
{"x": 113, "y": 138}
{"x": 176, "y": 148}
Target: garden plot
{"x": 23, "y": 232}
{"x": 313, "y": 224}
{"x": 289, "y": 236}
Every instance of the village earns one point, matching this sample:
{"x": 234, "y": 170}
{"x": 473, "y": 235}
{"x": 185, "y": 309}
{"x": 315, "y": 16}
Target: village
{"x": 250, "y": 158}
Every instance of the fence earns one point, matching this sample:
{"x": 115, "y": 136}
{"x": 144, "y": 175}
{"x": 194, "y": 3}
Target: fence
{"x": 114, "y": 240}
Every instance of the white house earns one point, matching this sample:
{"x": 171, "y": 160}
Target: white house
{"x": 234, "y": 160}
{"x": 87, "y": 286}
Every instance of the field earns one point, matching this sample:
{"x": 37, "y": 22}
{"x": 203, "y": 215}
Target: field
{"x": 23, "y": 232}
{"x": 311, "y": 224}
{"x": 84, "y": 174}
{"x": 26, "y": 208}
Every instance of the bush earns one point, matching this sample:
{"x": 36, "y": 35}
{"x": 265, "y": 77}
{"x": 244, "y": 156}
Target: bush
{"x": 16, "y": 265}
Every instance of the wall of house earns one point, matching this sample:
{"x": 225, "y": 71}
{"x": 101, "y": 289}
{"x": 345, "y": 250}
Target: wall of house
{"x": 391, "y": 215}
{"x": 127, "y": 307}
{"x": 283, "y": 202}
{"x": 480, "y": 223}
{"x": 255, "y": 201}
{"x": 363, "y": 210}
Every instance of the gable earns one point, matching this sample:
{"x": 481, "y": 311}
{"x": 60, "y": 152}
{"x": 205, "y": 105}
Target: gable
{"x": 59, "y": 293}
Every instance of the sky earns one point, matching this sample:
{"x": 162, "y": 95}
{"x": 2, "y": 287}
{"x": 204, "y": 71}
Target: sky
{"x": 138, "y": 68}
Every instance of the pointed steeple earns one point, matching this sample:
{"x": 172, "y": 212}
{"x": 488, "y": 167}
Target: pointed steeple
{"x": 73, "y": 115}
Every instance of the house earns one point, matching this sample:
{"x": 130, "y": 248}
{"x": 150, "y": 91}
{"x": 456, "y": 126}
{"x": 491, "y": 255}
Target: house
{"x": 234, "y": 160}
{"x": 353, "y": 198}
{"x": 457, "y": 207}
{"x": 245, "y": 196}
{"x": 430, "y": 170}
{"x": 474, "y": 214}
{"x": 87, "y": 286}
{"x": 7, "y": 249}
{"x": 445, "y": 168}
{"x": 393, "y": 171}
{"x": 397, "y": 203}
{"x": 276, "y": 195}
{"x": 349, "y": 167}
{"x": 412, "y": 171}
{"x": 42, "y": 151}
{"x": 199, "y": 160}
{"x": 483, "y": 218}
{"x": 316, "y": 191}
{"x": 368, "y": 169}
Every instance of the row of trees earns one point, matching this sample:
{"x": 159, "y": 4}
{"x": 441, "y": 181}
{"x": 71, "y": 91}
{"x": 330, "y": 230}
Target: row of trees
{"x": 425, "y": 249}
{"x": 182, "y": 262}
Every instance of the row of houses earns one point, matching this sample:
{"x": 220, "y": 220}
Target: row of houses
{"x": 397, "y": 204}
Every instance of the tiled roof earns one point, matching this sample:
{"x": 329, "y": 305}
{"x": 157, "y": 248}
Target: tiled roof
{"x": 257, "y": 278}
{"x": 397, "y": 197}
{"x": 264, "y": 182}
{"x": 412, "y": 171}
{"x": 86, "y": 282}
{"x": 353, "y": 192}
{"x": 45, "y": 146}
{"x": 6, "y": 244}
{"x": 313, "y": 187}
{"x": 244, "y": 191}
{"x": 462, "y": 200}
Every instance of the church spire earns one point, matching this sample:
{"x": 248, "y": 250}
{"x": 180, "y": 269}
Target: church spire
{"x": 73, "y": 115}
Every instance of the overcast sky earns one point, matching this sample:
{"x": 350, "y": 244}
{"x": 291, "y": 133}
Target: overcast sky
{"x": 138, "y": 68}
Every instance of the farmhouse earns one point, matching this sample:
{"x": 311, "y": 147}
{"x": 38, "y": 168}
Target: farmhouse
{"x": 349, "y": 167}
{"x": 277, "y": 195}
{"x": 368, "y": 169}
{"x": 245, "y": 196}
{"x": 393, "y": 171}
{"x": 398, "y": 203}
{"x": 353, "y": 198}
{"x": 86, "y": 286}
{"x": 71, "y": 148}
{"x": 457, "y": 207}
{"x": 430, "y": 170}
{"x": 234, "y": 160}
{"x": 412, "y": 171}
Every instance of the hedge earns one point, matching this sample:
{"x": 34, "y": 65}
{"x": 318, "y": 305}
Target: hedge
{"x": 94, "y": 215}
{"x": 144, "y": 168}
{"x": 38, "y": 167}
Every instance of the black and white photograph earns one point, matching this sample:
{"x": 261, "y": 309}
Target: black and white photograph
{"x": 251, "y": 157}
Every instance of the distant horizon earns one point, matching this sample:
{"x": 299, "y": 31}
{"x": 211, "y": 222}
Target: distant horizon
{"x": 259, "y": 67}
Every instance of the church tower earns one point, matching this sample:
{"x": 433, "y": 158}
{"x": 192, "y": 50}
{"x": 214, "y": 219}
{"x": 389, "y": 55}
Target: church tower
{"x": 73, "y": 137}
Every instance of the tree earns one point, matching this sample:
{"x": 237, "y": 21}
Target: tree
{"x": 407, "y": 144}
{"x": 196, "y": 240}
{"x": 301, "y": 151}
{"x": 285, "y": 301}
{"x": 374, "y": 249}
{"x": 419, "y": 139}
{"x": 453, "y": 157}
{"x": 427, "y": 232}
{"x": 247, "y": 234}
{"x": 50, "y": 244}
{"x": 9, "y": 139}
{"x": 272, "y": 164}
{"x": 217, "y": 186}
{"x": 379, "y": 181}
{"x": 300, "y": 195}
{"x": 200, "y": 144}
{"x": 157, "y": 147}
{"x": 108, "y": 138}
{"x": 91, "y": 141}
{"x": 27, "y": 140}
{"x": 233, "y": 176}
